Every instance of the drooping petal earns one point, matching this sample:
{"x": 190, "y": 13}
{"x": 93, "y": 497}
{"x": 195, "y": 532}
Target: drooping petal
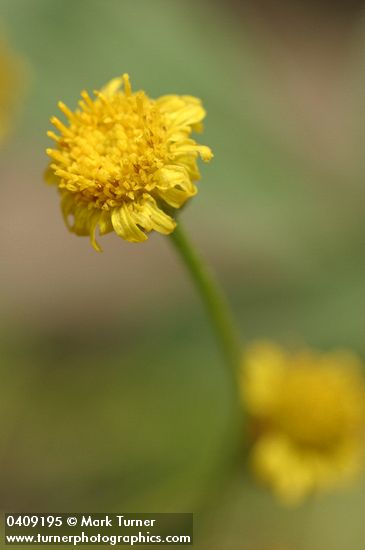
{"x": 67, "y": 207}
{"x": 94, "y": 219}
{"x": 171, "y": 176}
{"x": 189, "y": 146}
{"x": 124, "y": 224}
{"x": 105, "y": 223}
{"x": 189, "y": 162}
{"x": 82, "y": 220}
{"x": 174, "y": 185}
{"x": 176, "y": 197}
{"x": 151, "y": 216}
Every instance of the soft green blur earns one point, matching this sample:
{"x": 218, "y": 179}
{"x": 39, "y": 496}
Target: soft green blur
{"x": 113, "y": 393}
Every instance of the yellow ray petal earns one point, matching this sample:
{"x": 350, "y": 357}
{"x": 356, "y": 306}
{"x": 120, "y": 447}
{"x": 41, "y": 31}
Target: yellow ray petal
{"x": 125, "y": 226}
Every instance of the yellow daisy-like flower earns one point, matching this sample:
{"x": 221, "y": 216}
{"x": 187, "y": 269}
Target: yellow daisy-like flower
{"x": 124, "y": 161}
{"x": 9, "y": 87}
{"x": 307, "y": 414}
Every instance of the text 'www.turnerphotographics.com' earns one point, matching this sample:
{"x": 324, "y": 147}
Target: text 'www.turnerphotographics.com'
{"x": 108, "y": 529}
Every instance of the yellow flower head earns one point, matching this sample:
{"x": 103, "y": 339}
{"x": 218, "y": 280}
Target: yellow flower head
{"x": 9, "y": 86}
{"x": 123, "y": 161}
{"x": 307, "y": 412}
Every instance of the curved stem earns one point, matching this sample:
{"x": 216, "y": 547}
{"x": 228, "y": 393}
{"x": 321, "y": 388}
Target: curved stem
{"x": 229, "y": 341}
{"x": 214, "y": 301}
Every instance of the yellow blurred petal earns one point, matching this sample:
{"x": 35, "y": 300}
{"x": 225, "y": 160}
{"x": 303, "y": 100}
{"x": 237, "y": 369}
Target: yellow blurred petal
{"x": 82, "y": 220}
{"x": 309, "y": 411}
{"x": 112, "y": 86}
{"x": 94, "y": 220}
{"x": 67, "y": 207}
{"x": 50, "y": 177}
{"x": 105, "y": 223}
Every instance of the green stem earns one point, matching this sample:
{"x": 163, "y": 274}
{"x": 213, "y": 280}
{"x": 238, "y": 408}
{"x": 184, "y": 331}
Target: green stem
{"x": 215, "y": 303}
{"x": 230, "y": 344}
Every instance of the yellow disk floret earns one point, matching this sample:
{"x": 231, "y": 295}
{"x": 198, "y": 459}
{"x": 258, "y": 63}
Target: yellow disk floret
{"x": 123, "y": 161}
{"x": 307, "y": 412}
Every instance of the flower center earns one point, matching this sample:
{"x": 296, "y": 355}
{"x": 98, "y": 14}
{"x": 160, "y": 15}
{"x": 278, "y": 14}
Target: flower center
{"x": 312, "y": 409}
{"x": 112, "y": 149}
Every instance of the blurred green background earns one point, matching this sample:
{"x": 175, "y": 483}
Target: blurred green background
{"x": 113, "y": 394}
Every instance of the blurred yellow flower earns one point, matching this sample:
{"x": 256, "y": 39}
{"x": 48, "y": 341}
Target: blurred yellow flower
{"x": 307, "y": 413}
{"x": 124, "y": 161}
{"x": 9, "y": 86}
